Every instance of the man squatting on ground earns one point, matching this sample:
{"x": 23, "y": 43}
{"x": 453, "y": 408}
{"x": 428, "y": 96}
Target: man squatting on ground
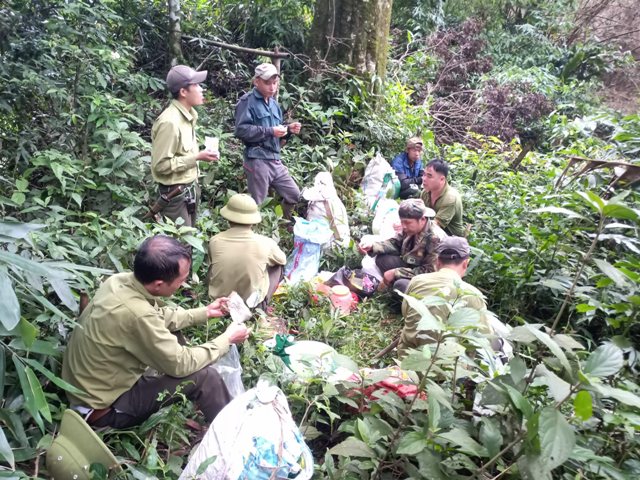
{"x": 408, "y": 168}
{"x": 259, "y": 125}
{"x": 452, "y": 262}
{"x": 127, "y": 328}
{"x": 409, "y": 253}
{"x": 442, "y": 198}
{"x": 241, "y": 260}
{"x": 174, "y": 146}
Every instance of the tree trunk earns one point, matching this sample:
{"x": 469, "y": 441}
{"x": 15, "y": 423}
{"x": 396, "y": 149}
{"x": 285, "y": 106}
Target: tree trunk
{"x": 175, "y": 32}
{"x": 353, "y": 32}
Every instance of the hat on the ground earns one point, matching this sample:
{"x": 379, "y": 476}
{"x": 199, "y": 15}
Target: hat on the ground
{"x": 182, "y": 76}
{"x": 265, "y": 71}
{"x": 414, "y": 142}
{"x": 453, "y": 248}
{"x": 415, "y": 208}
{"x": 241, "y": 208}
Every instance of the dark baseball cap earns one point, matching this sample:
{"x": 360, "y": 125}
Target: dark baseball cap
{"x": 182, "y": 76}
{"x": 453, "y": 248}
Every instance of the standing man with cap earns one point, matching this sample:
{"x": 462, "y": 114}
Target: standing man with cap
{"x": 174, "y": 147}
{"x": 259, "y": 125}
{"x": 408, "y": 167}
{"x": 242, "y": 260}
{"x": 409, "y": 253}
{"x": 442, "y": 197}
{"x": 452, "y": 262}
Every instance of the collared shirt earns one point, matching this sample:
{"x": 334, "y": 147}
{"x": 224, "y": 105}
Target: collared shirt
{"x": 255, "y": 120}
{"x": 447, "y": 284}
{"x": 404, "y": 169}
{"x": 123, "y": 331}
{"x": 239, "y": 262}
{"x": 448, "y": 208}
{"x": 416, "y": 250}
{"x": 174, "y": 146}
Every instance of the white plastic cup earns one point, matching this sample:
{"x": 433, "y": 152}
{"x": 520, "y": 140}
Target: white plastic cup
{"x": 212, "y": 144}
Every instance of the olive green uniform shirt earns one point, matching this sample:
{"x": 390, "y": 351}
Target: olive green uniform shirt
{"x": 239, "y": 261}
{"x": 445, "y": 283}
{"x": 174, "y": 146}
{"x": 448, "y": 210}
{"x": 123, "y": 331}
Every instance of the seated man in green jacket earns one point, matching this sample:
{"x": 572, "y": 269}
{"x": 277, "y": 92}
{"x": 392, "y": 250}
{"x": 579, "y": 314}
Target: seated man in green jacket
{"x": 451, "y": 264}
{"x": 241, "y": 260}
{"x": 443, "y": 198}
{"x": 127, "y": 328}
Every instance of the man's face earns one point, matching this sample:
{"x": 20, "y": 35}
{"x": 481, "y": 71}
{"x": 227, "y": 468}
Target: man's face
{"x": 412, "y": 226}
{"x": 192, "y": 95}
{"x": 432, "y": 180}
{"x": 166, "y": 289}
{"x": 414, "y": 153}
{"x": 267, "y": 88}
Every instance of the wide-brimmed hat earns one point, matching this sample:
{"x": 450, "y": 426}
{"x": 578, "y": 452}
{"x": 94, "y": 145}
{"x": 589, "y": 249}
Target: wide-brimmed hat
{"x": 241, "y": 208}
{"x": 265, "y": 71}
{"x": 182, "y": 76}
{"x": 453, "y": 248}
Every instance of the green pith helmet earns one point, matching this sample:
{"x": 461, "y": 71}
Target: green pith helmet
{"x": 74, "y": 450}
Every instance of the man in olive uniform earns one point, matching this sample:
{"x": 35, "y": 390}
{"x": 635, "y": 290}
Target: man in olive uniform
{"x": 443, "y": 198}
{"x": 259, "y": 124}
{"x": 174, "y": 146}
{"x": 452, "y": 262}
{"x": 127, "y": 328}
{"x": 409, "y": 253}
{"x": 242, "y": 260}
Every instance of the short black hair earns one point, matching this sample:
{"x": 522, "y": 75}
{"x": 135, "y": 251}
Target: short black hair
{"x": 450, "y": 260}
{"x": 439, "y": 166}
{"x": 158, "y": 258}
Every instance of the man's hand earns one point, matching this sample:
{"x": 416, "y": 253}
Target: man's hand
{"x": 389, "y": 276}
{"x": 218, "y": 308}
{"x": 237, "y": 333}
{"x": 294, "y": 128}
{"x": 279, "y": 131}
{"x": 207, "y": 156}
{"x": 364, "y": 247}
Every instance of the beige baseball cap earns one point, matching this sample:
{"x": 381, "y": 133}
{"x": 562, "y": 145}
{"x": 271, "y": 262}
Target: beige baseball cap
{"x": 414, "y": 142}
{"x": 266, "y": 71}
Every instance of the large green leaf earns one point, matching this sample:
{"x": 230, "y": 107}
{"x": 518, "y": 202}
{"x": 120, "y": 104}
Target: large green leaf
{"x": 35, "y": 401}
{"x": 427, "y": 321}
{"x": 583, "y": 405}
{"x": 18, "y": 230}
{"x": 352, "y": 447}
{"x": 412, "y": 443}
{"x": 551, "y": 344}
{"x": 6, "y": 453}
{"x": 615, "y": 210}
{"x": 557, "y": 438}
{"x": 50, "y": 375}
{"x": 623, "y": 396}
{"x": 464, "y": 317}
{"x": 463, "y": 440}
{"x": 558, "y": 388}
{"x": 612, "y": 272}
{"x": 9, "y": 306}
{"x": 64, "y": 293}
{"x": 31, "y": 266}
{"x": 490, "y": 435}
{"x": 605, "y": 360}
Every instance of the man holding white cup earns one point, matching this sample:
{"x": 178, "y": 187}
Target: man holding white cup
{"x": 174, "y": 147}
{"x": 259, "y": 124}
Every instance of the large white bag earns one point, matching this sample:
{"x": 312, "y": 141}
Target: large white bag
{"x": 325, "y": 204}
{"x": 252, "y": 438}
{"x": 373, "y": 185}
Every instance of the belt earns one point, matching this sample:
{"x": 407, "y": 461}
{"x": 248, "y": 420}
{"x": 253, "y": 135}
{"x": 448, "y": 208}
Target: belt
{"x": 97, "y": 414}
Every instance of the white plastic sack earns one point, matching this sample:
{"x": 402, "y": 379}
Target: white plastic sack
{"x": 374, "y": 179}
{"x": 253, "y": 437}
{"x": 369, "y": 266}
{"x": 322, "y": 193}
{"x": 229, "y": 368}
{"x": 386, "y": 223}
{"x": 304, "y": 261}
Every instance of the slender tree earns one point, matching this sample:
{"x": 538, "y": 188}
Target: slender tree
{"x": 353, "y": 32}
{"x": 175, "y": 32}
